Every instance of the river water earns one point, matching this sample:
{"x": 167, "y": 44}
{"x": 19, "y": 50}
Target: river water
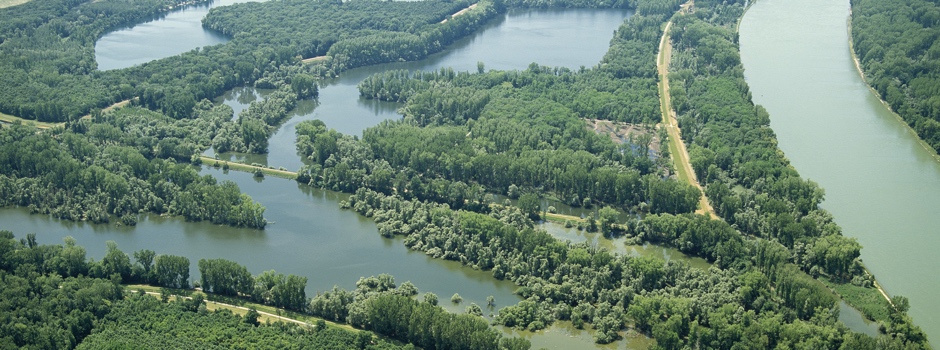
{"x": 882, "y": 186}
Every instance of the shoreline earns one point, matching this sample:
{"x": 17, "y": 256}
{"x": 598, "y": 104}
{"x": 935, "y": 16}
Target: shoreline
{"x": 875, "y": 284}
{"x": 861, "y": 73}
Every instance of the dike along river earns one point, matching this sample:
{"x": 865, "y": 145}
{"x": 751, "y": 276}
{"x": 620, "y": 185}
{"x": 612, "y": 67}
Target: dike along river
{"x": 310, "y": 235}
{"x": 882, "y": 186}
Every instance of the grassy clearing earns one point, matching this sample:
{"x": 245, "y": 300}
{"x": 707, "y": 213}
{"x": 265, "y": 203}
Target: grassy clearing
{"x": 6, "y": 118}
{"x": 239, "y": 306}
{"x": 312, "y": 59}
{"x": 11, "y": 3}
{"x": 290, "y": 175}
{"x": 868, "y": 301}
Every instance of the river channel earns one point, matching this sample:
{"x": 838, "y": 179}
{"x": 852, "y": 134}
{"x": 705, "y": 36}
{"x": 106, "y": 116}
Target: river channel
{"x": 310, "y": 235}
{"x": 882, "y": 186}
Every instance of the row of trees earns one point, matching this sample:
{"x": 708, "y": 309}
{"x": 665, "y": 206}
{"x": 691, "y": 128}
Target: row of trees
{"x": 896, "y": 44}
{"x": 227, "y": 277}
{"x": 56, "y": 298}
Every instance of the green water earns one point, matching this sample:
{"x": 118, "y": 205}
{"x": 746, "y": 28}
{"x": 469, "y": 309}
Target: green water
{"x": 881, "y": 185}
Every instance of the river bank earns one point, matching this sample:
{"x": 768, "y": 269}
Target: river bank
{"x": 881, "y": 183}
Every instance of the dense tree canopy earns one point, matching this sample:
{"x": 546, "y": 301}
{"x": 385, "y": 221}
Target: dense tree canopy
{"x": 896, "y": 43}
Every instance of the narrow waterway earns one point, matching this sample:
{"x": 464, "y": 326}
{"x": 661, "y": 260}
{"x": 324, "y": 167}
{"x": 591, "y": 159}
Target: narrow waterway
{"x": 568, "y": 38}
{"x": 882, "y": 186}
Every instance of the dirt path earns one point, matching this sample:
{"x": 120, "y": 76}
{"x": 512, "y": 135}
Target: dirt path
{"x": 44, "y": 125}
{"x": 230, "y": 306}
{"x": 249, "y": 168}
{"x": 680, "y": 155}
{"x": 458, "y": 13}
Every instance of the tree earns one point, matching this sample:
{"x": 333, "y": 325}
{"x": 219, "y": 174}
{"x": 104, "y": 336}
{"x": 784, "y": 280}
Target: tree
{"x": 172, "y": 271}
{"x": 530, "y": 205}
{"x": 225, "y": 277}
{"x": 144, "y": 257}
{"x": 251, "y": 317}
{"x": 430, "y": 298}
{"x": 607, "y": 219}
{"x": 115, "y": 262}
{"x": 456, "y": 298}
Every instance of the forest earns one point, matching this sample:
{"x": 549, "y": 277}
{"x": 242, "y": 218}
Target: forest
{"x": 896, "y": 43}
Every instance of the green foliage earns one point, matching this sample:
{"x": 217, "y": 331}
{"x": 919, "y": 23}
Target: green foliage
{"x": 896, "y": 44}
{"x": 144, "y": 322}
{"x": 96, "y": 170}
{"x": 427, "y": 326}
{"x": 225, "y": 277}
{"x": 172, "y": 271}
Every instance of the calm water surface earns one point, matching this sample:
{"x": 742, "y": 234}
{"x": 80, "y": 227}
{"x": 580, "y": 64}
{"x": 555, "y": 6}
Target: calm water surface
{"x": 172, "y": 34}
{"x": 881, "y": 185}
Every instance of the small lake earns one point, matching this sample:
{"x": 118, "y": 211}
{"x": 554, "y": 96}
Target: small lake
{"x": 173, "y": 33}
{"x": 882, "y": 186}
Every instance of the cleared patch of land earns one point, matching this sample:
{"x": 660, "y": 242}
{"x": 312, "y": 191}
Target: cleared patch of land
{"x": 458, "y": 13}
{"x": 6, "y": 118}
{"x": 240, "y": 306}
{"x": 11, "y": 3}
{"x": 625, "y": 132}
{"x": 316, "y": 59}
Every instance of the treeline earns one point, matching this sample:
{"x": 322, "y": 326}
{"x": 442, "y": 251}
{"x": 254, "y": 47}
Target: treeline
{"x": 896, "y": 43}
{"x": 225, "y": 277}
{"x": 748, "y": 180}
{"x": 757, "y": 299}
{"x": 87, "y": 173}
{"x": 56, "y": 298}
{"x": 310, "y": 28}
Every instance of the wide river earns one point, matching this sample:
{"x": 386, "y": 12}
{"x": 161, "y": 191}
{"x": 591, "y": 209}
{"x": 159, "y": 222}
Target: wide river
{"x": 882, "y": 186}
{"x": 310, "y": 235}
